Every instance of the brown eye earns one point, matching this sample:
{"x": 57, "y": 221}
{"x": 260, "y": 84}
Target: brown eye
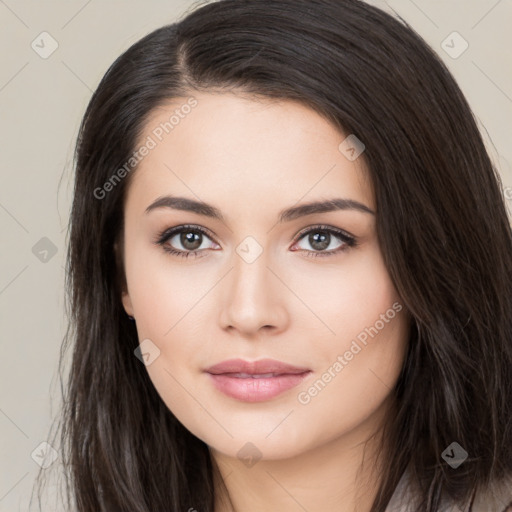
{"x": 320, "y": 238}
{"x": 190, "y": 240}
{"x": 183, "y": 240}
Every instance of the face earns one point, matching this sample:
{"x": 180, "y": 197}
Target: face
{"x": 308, "y": 289}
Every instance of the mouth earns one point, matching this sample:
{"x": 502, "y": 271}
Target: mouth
{"x": 255, "y": 381}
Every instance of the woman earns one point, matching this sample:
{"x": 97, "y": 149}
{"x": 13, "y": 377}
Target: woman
{"x": 289, "y": 273}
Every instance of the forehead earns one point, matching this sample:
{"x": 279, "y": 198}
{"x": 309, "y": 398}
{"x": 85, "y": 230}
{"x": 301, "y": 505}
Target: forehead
{"x": 248, "y": 150}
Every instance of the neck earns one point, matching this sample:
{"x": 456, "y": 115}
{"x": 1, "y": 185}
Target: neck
{"x": 341, "y": 475}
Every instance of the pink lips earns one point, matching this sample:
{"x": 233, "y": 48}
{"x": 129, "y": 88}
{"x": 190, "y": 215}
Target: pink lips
{"x": 255, "y": 381}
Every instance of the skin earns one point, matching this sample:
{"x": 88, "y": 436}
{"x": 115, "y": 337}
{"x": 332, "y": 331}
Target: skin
{"x": 251, "y": 158}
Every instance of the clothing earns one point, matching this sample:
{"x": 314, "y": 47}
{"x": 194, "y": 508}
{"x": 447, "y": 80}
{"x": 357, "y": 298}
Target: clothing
{"x": 498, "y": 499}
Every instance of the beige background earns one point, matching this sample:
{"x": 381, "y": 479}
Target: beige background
{"x": 41, "y": 104}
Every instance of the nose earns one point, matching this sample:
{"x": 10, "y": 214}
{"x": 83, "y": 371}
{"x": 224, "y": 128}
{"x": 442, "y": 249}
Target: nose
{"x": 253, "y": 298}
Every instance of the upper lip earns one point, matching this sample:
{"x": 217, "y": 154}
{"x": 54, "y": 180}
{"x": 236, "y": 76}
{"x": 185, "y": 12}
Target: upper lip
{"x": 262, "y": 366}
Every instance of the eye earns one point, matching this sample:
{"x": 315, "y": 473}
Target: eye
{"x": 190, "y": 238}
{"x": 322, "y": 237}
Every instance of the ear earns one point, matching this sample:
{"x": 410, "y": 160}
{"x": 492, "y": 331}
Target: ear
{"x": 127, "y": 303}
{"x": 121, "y": 279}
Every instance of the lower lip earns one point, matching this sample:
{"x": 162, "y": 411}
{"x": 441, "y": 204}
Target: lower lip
{"x": 256, "y": 390}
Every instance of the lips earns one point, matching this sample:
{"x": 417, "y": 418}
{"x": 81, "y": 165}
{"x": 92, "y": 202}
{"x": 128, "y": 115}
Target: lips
{"x": 255, "y": 381}
{"x": 253, "y": 375}
{"x": 255, "y": 368}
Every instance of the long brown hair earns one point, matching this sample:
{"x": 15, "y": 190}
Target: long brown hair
{"x": 442, "y": 227}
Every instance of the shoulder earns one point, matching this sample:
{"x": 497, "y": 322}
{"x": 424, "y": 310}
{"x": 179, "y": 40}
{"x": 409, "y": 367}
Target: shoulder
{"x": 495, "y": 498}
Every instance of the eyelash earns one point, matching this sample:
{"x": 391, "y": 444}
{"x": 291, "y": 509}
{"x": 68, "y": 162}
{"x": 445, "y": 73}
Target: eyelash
{"x": 348, "y": 240}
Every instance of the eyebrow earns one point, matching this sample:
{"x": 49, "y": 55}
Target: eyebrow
{"x": 289, "y": 214}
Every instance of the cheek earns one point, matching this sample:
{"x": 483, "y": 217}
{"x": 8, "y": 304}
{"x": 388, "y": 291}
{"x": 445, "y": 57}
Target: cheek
{"x": 361, "y": 362}
{"x": 163, "y": 294}
{"x": 373, "y": 331}
{"x": 168, "y": 301}
{"x": 359, "y": 372}
{"x": 361, "y": 377}
{"x": 346, "y": 296}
